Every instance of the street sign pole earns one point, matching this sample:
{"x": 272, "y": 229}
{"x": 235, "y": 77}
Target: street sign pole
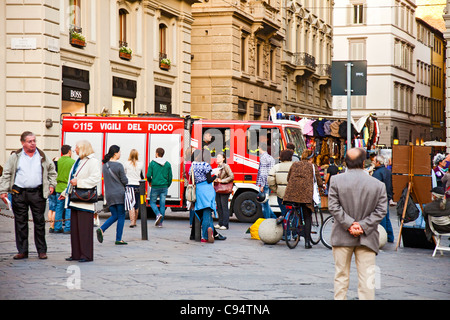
{"x": 349, "y": 104}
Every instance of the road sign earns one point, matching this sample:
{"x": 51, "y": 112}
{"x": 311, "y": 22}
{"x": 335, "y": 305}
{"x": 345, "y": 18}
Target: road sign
{"x": 358, "y": 78}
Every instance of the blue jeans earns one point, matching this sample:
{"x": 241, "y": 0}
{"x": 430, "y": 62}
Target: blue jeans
{"x": 386, "y": 223}
{"x": 154, "y": 194}
{"x": 282, "y": 206}
{"x": 267, "y": 211}
{"x": 191, "y": 216}
{"x": 59, "y": 210}
{"x": 117, "y": 214}
{"x": 207, "y": 222}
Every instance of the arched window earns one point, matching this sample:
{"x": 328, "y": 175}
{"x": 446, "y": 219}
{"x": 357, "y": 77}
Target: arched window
{"x": 123, "y": 27}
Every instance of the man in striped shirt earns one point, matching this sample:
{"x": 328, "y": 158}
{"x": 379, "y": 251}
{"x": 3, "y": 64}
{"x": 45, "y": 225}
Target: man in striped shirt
{"x": 266, "y": 162}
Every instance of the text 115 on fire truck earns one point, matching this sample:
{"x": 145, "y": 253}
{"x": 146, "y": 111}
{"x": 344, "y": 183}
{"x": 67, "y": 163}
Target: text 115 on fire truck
{"x": 238, "y": 140}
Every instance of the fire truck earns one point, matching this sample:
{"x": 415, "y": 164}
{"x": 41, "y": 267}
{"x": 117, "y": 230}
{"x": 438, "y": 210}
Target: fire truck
{"x": 178, "y": 136}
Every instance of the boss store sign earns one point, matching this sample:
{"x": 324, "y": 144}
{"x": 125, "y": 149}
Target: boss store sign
{"x": 75, "y": 86}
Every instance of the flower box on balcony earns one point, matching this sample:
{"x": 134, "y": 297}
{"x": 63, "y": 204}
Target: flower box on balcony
{"x": 164, "y": 64}
{"x": 125, "y": 53}
{"x": 77, "y": 39}
{"x": 125, "y": 56}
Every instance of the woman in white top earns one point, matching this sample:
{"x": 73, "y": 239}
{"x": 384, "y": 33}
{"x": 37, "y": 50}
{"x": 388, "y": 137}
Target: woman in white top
{"x": 134, "y": 169}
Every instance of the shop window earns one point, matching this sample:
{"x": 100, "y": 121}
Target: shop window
{"x": 163, "y": 99}
{"x": 121, "y": 105}
{"x": 124, "y": 93}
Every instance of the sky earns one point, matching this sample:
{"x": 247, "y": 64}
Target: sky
{"x": 431, "y": 11}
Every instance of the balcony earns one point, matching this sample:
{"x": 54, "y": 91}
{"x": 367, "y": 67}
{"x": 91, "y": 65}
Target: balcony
{"x": 303, "y": 62}
{"x": 266, "y": 18}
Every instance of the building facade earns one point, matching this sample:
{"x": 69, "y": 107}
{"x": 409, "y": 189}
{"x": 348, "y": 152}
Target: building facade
{"x": 307, "y": 56}
{"x": 80, "y": 56}
{"x": 446, "y": 35}
{"x": 399, "y": 67}
{"x": 251, "y": 55}
{"x": 236, "y": 47}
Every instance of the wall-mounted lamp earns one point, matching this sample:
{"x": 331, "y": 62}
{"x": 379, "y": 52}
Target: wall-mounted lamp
{"x": 48, "y": 123}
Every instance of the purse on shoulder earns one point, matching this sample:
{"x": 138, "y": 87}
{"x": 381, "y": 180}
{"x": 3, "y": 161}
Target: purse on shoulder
{"x": 191, "y": 189}
{"x": 83, "y": 195}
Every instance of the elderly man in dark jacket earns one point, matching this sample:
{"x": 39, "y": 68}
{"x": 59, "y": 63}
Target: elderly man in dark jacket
{"x": 384, "y": 175}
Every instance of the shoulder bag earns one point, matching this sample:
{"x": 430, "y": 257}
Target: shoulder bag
{"x": 223, "y": 188}
{"x": 82, "y": 194}
{"x": 316, "y": 194}
{"x": 191, "y": 188}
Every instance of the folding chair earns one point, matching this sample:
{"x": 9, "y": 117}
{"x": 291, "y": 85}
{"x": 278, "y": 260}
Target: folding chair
{"x": 437, "y": 235}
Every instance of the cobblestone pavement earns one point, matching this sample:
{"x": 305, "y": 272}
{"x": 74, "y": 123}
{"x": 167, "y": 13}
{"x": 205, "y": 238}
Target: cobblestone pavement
{"x": 170, "y": 266}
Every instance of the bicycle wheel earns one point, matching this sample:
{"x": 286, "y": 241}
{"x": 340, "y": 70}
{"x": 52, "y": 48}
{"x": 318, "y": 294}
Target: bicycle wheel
{"x": 292, "y": 229}
{"x": 325, "y": 232}
{"x": 316, "y": 223}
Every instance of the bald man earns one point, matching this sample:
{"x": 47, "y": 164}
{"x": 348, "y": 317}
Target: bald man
{"x": 358, "y": 203}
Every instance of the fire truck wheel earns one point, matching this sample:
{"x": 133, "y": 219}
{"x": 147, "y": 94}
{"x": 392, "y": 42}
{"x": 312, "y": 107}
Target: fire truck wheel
{"x": 246, "y": 208}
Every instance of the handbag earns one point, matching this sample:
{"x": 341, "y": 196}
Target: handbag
{"x": 223, "y": 188}
{"x": 191, "y": 189}
{"x": 88, "y": 195}
{"x": 84, "y": 195}
{"x": 316, "y": 194}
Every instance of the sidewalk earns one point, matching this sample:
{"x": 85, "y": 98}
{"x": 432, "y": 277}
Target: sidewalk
{"x": 170, "y": 266}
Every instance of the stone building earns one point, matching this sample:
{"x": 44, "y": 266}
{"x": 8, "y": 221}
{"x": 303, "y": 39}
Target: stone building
{"x": 401, "y": 79}
{"x": 307, "y": 56}
{"x": 236, "y": 48}
{"x": 251, "y": 55}
{"x": 73, "y": 56}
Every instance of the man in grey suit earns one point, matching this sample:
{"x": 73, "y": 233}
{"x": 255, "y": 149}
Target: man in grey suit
{"x": 358, "y": 203}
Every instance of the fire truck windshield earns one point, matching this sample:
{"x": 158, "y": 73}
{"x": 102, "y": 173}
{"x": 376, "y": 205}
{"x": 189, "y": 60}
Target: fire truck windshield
{"x": 295, "y": 136}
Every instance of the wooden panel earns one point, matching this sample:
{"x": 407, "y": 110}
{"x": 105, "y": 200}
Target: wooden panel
{"x": 422, "y": 160}
{"x": 399, "y": 182}
{"x": 400, "y": 159}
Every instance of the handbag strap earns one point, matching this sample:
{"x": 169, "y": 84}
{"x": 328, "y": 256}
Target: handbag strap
{"x": 112, "y": 173}
{"x": 78, "y": 171}
{"x": 314, "y": 173}
{"x": 192, "y": 174}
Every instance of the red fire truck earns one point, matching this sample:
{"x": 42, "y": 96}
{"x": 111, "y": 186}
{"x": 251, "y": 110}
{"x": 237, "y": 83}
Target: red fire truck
{"x": 237, "y": 140}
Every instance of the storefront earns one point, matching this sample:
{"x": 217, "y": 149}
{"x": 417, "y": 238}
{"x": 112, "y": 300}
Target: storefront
{"x": 75, "y": 90}
{"x": 163, "y": 99}
{"x": 124, "y": 95}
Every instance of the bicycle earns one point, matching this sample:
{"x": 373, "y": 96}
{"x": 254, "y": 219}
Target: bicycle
{"x": 325, "y": 231}
{"x": 294, "y": 225}
{"x": 316, "y": 224}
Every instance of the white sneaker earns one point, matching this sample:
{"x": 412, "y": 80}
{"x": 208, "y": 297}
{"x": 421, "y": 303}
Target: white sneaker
{"x": 158, "y": 219}
{"x": 216, "y": 226}
{"x": 223, "y": 228}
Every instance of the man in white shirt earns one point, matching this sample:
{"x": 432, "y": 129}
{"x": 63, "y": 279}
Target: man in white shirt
{"x": 31, "y": 177}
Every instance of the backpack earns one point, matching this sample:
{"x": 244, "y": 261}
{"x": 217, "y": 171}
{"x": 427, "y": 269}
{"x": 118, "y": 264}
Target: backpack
{"x": 412, "y": 212}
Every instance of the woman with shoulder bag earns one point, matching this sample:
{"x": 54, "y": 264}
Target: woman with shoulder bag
{"x": 301, "y": 180}
{"x": 115, "y": 182}
{"x": 85, "y": 174}
{"x": 223, "y": 186}
{"x": 205, "y": 194}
